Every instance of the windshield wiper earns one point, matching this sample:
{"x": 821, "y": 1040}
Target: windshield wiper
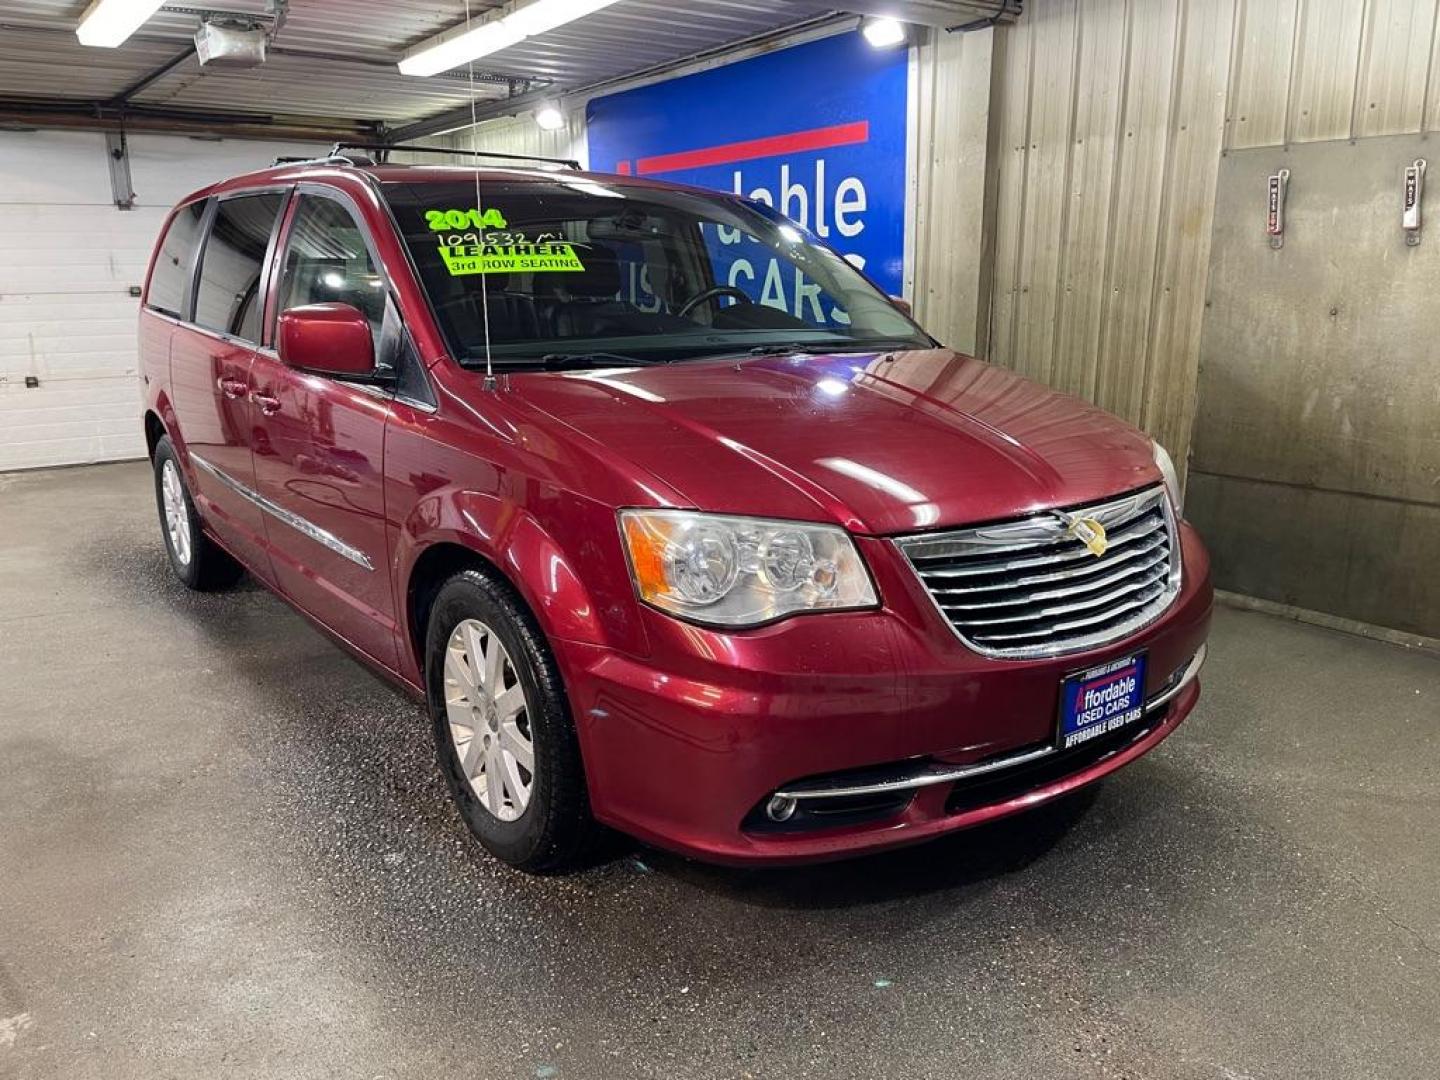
{"x": 559, "y": 361}
{"x": 822, "y": 347}
{"x": 786, "y": 349}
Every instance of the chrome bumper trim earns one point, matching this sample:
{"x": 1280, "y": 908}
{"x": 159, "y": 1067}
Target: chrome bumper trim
{"x": 938, "y": 775}
{"x": 295, "y": 521}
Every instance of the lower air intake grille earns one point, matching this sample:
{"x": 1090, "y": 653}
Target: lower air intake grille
{"x": 1031, "y": 588}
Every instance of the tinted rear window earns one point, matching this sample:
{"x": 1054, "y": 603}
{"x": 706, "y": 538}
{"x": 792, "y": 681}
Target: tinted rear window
{"x": 229, "y": 298}
{"x": 175, "y": 261}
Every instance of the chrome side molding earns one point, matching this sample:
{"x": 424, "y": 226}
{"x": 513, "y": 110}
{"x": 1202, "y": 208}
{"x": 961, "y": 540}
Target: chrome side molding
{"x": 934, "y": 774}
{"x": 279, "y": 513}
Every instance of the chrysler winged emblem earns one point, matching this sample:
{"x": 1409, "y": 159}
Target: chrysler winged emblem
{"x": 1088, "y": 531}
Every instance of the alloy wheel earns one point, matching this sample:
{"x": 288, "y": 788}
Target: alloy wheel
{"x": 489, "y": 720}
{"x": 177, "y": 513}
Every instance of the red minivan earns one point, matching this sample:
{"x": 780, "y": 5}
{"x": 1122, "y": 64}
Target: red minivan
{"x": 675, "y": 521}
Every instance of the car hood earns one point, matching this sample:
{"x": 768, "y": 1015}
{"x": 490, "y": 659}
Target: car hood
{"x": 881, "y": 443}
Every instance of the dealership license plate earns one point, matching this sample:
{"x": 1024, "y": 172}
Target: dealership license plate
{"x": 1100, "y": 700}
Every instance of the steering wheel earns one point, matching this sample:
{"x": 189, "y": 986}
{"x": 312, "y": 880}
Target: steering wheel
{"x": 712, "y": 293}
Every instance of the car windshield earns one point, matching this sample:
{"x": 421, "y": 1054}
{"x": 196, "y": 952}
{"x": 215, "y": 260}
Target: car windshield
{"x": 575, "y": 269}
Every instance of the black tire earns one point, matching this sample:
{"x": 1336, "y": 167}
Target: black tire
{"x": 208, "y": 567}
{"x": 555, "y": 831}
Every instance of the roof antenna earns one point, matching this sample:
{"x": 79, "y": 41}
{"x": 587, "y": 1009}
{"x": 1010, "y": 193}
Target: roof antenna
{"x": 479, "y": 210}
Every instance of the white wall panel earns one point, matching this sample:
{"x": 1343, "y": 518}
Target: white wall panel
{"x": 68, "y": 259}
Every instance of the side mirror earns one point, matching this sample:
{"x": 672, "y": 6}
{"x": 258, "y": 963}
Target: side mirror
{"x": 332, "y": 339}
{"x": 902, "y": 305}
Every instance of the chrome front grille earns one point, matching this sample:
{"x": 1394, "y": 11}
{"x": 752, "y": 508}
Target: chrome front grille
{"x": 1030, "y": 588}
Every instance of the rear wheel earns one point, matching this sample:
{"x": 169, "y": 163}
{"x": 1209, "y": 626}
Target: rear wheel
{"x": 503, "y": 733}
{"x": 196, "y": 559}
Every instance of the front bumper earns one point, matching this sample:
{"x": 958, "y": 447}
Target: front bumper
{"x": 884, "y": 716}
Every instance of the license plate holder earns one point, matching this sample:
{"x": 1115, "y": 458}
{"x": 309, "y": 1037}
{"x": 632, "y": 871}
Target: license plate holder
{"x": 1100, "y": 699}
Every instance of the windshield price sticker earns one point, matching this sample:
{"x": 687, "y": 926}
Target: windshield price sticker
{"x": 484, "y": 252}
{"x": 509, "y": 258}
{"x": 474, "y": 218}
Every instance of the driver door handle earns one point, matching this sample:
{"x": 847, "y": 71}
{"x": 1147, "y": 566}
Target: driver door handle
{"x": 233, "y": 388}
{"x": 269, "y": 403}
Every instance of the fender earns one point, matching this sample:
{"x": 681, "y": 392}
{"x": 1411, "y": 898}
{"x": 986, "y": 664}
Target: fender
{"x": 532, "y": 557}
{"x": 165, "y": 410}
{"x": 158, "y": 402}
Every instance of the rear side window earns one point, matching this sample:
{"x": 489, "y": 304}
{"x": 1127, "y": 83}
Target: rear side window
{"x": 326, "y": 262}
{"x": 175, "y": 261}
{"x": 229, "y": 297}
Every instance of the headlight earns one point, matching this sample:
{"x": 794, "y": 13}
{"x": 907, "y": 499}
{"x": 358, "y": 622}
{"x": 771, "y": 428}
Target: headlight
{"x": 1172, "y": 478}
{"x": 739, "y": 571}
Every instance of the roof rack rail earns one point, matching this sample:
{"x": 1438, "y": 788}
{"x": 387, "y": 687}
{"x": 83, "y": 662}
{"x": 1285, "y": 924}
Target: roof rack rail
{"x": 328, "y": 159}
{"x": 384, "y": 149}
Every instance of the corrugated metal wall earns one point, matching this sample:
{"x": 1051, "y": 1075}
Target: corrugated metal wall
{"x": 1112, "y": 117}
{"x": 515, "y": 135}
{"x": 953, "y": 182}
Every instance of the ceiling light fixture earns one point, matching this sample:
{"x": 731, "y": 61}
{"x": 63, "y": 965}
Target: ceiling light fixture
{"x": 107, "y": 23}
{"x": 883, "y": 33}
{"x": 550, "y": 118}
{"x": 509, "y": 26}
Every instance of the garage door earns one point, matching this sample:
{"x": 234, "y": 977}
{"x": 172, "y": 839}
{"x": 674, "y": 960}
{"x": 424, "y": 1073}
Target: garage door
{"x": 69, "y": 263}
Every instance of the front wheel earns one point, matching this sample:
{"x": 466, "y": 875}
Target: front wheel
{"x": 197, "y": 561}
{"x": 503, "y": 734}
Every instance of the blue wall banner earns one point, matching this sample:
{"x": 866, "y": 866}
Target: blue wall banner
{"x": 817, "y": 131}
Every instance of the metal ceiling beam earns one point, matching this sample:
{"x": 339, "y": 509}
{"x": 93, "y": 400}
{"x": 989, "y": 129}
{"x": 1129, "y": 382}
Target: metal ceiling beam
{"x": 221, "y": 13}
{"x": 939, "y": 14}
{"x": 487, "y": 77}
{"x": 86, "y": 116}
{"x": 152, "y": 76}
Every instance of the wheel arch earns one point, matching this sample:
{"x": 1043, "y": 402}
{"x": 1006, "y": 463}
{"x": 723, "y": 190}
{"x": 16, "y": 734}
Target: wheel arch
{"x": 159, "y": 421}
{"x": 444, "y": 535}
{"x": 154, "y": 432}
{"x": 432, "y": 567}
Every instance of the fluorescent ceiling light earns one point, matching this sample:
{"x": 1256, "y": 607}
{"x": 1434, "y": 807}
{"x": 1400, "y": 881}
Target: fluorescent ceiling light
{"x": 883, "y": 33}
{"x": 550, "y": 118}
{"x": 453, "y": 52}
{"x": 107, "y": 23}
{"x": 510, "y": 25}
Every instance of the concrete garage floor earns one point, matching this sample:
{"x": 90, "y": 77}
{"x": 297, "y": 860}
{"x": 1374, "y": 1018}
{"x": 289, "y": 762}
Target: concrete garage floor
{"x": 224, "y": 851}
